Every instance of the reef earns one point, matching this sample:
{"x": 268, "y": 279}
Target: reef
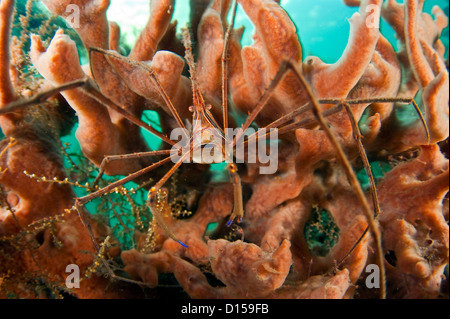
{"x": 305, "y": 231}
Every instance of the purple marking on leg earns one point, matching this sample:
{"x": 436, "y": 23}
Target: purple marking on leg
{"x": 182, "y": 244}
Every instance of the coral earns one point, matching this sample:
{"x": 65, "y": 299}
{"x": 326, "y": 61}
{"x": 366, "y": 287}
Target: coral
{"x": 308, "y": 230}
{"x": 418, "y": 238}
{"x": 38, "y": 224}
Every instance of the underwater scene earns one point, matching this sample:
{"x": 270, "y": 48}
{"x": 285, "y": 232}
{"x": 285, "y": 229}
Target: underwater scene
{"x": 221, "y": 149}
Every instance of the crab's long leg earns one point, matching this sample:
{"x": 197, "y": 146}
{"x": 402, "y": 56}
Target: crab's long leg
{"x": 362, "y": 152}
{"x": 286, "y": 66}
{"x": 238, "y": 205}
{"x": 263, "y": 100}
{"x": 225, "y": 59}
{"x": 335, "y": 109}
{"x": 153, "y": 193}
{"x": 385, "y": 100}
{"x": 292, "y": 126}
{"x": 85, "y": 221}
{"x": 95, "y": 94}
{"x": 109, "y": 158}
{"x": 153, "y": 75}
{"x": 373, "y": 189}
{"x": 42, "y": 96}
{"x": 92, "y": 92}
{"x": 83, "y": 200}
{"x": 79, "y": 202}
{"x": 288, "y": 117}
{"x": 350, "y": 175}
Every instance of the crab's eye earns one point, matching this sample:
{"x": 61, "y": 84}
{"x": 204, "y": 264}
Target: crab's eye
{"x": 191, "y": 109}
{"x": 209, "y": 107}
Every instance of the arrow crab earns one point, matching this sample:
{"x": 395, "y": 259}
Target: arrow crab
{"x": 268, "y": 81}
